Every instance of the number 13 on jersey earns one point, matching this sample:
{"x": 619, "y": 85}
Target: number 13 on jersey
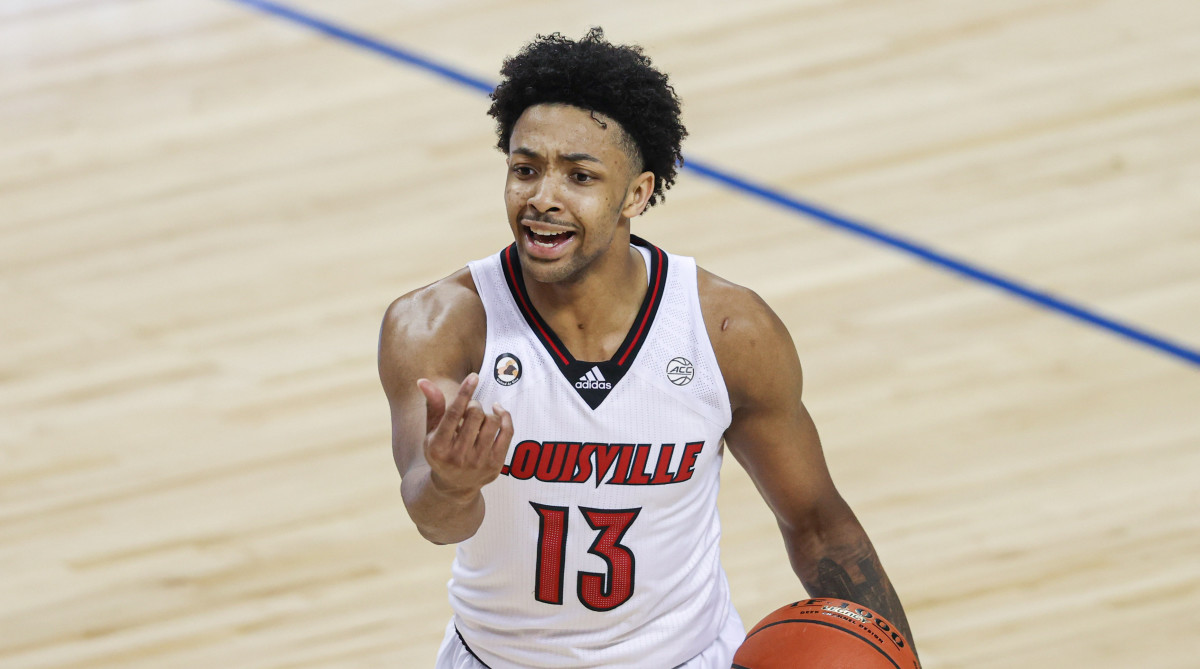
{"x": 598, "y": 592}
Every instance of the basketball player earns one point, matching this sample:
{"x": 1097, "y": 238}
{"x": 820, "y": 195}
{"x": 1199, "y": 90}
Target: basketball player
{"x": 560, "y": 409}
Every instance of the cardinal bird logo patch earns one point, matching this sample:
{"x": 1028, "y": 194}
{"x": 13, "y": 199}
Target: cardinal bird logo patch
{"x": 508, "y": 369}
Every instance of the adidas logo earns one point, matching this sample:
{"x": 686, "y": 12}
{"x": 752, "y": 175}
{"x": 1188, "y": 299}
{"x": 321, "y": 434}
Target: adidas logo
{"x": 593, "y": 380}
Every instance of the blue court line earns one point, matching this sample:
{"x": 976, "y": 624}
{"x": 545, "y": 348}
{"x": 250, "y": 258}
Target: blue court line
{"x": 770, "y": 195}
{"x": 370, "y": 44}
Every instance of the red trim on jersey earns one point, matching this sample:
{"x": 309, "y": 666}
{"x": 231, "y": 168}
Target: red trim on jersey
{"x": 657, "y": 286}
{"x": 575, "y": 371}
{"x": 530, "y": 313}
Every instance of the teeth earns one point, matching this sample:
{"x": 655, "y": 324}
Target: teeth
{"x": 546, "y": 238}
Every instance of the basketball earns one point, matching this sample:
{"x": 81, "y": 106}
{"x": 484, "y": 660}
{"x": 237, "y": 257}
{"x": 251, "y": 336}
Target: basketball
{"x": 825, "y": 633}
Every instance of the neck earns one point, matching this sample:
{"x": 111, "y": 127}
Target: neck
{"x": 592, "y": 313}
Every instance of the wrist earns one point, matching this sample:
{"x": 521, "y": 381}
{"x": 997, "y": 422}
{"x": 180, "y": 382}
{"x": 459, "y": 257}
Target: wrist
{"x": 461, "y": 495}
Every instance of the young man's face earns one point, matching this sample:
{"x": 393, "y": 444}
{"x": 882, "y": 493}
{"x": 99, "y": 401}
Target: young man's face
{"x": 571, "y": 189}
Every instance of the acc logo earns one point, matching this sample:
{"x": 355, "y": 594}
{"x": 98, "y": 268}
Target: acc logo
{"x": 680, "y": 371}
{"x": 508, "y": 369}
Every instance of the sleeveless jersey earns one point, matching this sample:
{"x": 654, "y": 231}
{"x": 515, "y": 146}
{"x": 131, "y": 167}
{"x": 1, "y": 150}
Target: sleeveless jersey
{"x": 599, "y": 543}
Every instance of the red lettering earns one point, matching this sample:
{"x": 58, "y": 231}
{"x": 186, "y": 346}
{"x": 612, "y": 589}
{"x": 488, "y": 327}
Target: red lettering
{"x": 524, "y": 460}
{"x": 550, "y": 462}
{"x": 661, "y": 473}
{"x": 606, "y": 591}
{"x": 585, "y": 463}
{"x": 688, "y": 463}
{"x": 599, "y": 591}
{"x": 637, "y": 474}
{"x": 621, "y": 474}
{"x": 621, "y": 464}
{"x": 606, "y": 454}
{"x": 551, "y": 553}
{"x": 570, "y": 463}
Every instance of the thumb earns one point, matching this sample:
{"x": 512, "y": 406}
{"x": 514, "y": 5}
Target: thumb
{"x": 435, "y": 403}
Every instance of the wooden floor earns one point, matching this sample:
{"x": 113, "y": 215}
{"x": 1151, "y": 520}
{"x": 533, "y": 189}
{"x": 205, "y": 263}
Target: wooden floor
{"x": 204, "y": 210}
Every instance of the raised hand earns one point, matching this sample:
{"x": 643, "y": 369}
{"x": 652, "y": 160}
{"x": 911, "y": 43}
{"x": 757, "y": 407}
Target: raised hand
{"x": 464, "y": 446}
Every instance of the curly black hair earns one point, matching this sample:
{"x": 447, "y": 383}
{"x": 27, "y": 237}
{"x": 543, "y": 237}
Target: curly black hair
{"x": 618, "y": 81}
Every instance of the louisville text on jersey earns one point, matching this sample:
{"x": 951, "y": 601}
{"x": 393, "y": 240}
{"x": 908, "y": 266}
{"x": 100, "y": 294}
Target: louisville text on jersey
{"x": 610, "y": 464}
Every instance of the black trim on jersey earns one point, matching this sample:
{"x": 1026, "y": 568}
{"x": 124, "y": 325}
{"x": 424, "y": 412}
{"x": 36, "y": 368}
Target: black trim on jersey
{"x": 575, "y": 371}
{"x": 464, "y": 643}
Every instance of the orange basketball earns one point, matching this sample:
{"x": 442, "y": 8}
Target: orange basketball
{"x": 824, "y": 633}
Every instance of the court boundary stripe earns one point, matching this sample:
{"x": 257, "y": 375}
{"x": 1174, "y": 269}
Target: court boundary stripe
{"x": 370, "y": 43}
{"x": 944, "y": 261}
{"x": 773, "y": 196}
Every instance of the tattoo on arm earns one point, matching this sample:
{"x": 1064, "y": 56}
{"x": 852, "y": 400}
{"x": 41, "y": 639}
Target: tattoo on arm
{"x": 872, "y": 589}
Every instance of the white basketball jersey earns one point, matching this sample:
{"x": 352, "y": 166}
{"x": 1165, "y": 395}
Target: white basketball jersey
{"x": 599, "y": 544}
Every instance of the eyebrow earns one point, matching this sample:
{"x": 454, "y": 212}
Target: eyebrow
{"x": 578, "y": 157}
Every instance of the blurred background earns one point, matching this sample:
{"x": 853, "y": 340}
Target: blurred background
{"x": 206, "y": 206}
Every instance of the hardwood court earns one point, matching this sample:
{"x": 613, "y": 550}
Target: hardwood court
{"x": 204, "y": 211}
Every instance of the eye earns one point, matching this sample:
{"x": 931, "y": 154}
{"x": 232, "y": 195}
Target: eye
{"x": 581, "y": 177}
{"x": 522, "y": 170}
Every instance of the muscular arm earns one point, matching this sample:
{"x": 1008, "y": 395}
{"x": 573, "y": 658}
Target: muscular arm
{"x": 444, "y": 443}
{"x": 773, "y": 437}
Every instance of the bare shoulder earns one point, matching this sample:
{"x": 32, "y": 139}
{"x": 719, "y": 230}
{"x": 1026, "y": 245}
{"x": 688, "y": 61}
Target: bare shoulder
{"x": 754, "y": 348}
{"x": 438, "y": 330}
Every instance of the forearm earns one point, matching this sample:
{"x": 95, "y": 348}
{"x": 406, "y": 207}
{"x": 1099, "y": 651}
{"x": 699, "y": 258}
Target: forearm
{"x": 839, "y": 562}
{"x": 441, "y": 516}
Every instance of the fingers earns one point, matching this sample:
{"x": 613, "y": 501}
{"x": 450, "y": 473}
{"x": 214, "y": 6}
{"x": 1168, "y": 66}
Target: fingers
{"x": 490, "y": 447}
{"x": 468, "y": 432}
{"x": 447, "y": 425}
{"x": 487, "y": 434}
{"x": 484, "y": 437}
{"x": 435, "y": 403}
{"x": 499, "y": 446}
{"x": 465, "y": 444}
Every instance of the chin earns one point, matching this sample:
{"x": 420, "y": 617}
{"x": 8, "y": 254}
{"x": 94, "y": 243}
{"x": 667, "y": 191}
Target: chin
{"x": 549, "y": 271}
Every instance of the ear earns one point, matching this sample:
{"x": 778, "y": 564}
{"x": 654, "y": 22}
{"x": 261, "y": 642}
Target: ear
{"x": 640, "y": 190}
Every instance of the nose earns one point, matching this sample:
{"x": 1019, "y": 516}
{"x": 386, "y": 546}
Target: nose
{"x": 545, "y": 196}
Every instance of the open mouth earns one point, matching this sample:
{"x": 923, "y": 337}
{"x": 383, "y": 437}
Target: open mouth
{"x": 547, "y": 239}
